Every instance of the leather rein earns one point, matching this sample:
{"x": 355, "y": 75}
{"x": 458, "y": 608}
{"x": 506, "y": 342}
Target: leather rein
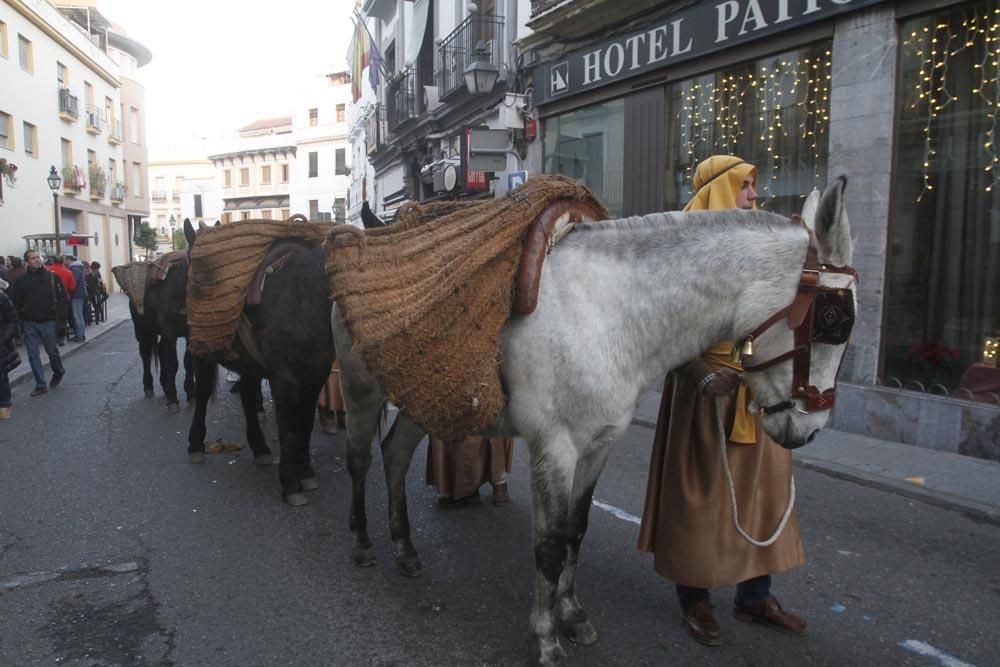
{"x": 832, "y": 325}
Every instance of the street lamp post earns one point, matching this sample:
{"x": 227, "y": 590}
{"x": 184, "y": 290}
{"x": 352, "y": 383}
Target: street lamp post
{"x": 172, "y": 221}
{"x": 55, "y": 180}
{"x": 481, "y": 74}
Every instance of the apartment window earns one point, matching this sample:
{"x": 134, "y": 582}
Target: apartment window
{"x": 340, "y": 210}
{"x": 3, "y": 39}
{"x": 24, "y": 54}
{"x": 112, "y": 172}
{"x": 62, "y": 74}
{"x": 341, "y": 161}
{"x": 121, "y": 109}
{"x": 227, "y": 218}
{"x": 265, "y": 175}
{"x": 286, "y": 213}
{"x": 66, "y": 147}
{"x": 266, "y": 215}
{"x": 197, "y": 206}
{"x": 176, "y": 194}
{"x": 109, "y": 109}
{"x": 313, "y": 209}
{"x": 314, "y": 116}
{"x": 134, "y": 125}
{"x": 137, "y": 178}
{"x": 30, "y": 139}
{"x": 91, "y": 159}
{"x": 284, "y": 173}
{"x": 244, "y": 177}
{"x": 340, "y": 112}
{"x": 227, "y": 178}
{"x": 88, "y": 94}
{"x": 6, "y": 131}
{"x": 313, "y": 165}
{"x": 245, "y": 216}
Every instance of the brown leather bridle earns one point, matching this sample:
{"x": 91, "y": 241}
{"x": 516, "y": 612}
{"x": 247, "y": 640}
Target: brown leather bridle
{"x": 830, "y": 323}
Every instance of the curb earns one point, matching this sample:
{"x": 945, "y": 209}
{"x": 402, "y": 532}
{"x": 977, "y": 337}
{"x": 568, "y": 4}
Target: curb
{"x": 63, "y": 354}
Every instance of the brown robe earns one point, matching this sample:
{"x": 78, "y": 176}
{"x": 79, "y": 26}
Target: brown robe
{"x": 687, "y": 520}
{"x": 331, "y": 397}
{"x": 458, "y": 469}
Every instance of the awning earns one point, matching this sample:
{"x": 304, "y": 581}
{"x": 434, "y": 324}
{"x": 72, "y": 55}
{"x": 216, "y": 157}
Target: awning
{"x": 417, "y": 28}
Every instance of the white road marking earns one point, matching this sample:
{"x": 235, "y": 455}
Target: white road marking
{"x": 944, "y": 658}
{"x": 614, "y": 511}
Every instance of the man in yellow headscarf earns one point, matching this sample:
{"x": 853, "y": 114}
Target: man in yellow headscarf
{"x": 687, "y": 520}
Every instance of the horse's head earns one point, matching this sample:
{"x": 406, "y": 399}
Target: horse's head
{"x": 189, "y": 233}
{"x": 793, "y": 368}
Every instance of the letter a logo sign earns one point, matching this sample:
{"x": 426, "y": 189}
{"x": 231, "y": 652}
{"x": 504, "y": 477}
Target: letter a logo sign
{"x": 559, "y": 78}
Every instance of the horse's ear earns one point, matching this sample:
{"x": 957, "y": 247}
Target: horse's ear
{"x": 833, "y": 231}
{"x": 189, "y": 232}
{"x": 368, "y": 219}
{"x": 809, "y": 209}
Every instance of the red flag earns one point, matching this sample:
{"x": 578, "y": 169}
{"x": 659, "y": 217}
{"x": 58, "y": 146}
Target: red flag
{"x": 359, "y": 58}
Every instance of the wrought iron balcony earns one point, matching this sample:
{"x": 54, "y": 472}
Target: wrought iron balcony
{"x": 114, "y": 131}
{"x": 458, "y": 49}
{"x": 375, "y": 129}
{"x": 401, "y": 98}
{"x": 69, "y": 107}
{"x": 95, "y": 119}
{"x": 118, "y": 192}
{"x": 73, "y": 179}
{"x": 158, "y": 195}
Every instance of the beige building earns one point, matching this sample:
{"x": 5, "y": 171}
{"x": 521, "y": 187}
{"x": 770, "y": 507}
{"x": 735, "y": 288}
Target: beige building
{"x": 169, "y": 176}
{"x": 255, "y": 175}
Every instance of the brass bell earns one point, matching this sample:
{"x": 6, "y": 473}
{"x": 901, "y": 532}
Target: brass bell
{"x": 748, "y": 347}
{"x": 734, "y": 354}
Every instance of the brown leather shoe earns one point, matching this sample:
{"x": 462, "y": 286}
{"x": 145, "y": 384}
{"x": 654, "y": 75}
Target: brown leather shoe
{"x": 768, "y": 612}
{"x": 501, "y": 497}
{"x": 701, "y": 625}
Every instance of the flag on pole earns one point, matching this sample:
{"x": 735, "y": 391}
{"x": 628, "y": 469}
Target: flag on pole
{"x": 360, "y": 47}
{"x": 376, "y": 65}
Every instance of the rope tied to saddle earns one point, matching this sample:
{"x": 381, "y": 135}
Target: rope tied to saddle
{"x": 425, "y": 300}
{"x": 223, "y": 261}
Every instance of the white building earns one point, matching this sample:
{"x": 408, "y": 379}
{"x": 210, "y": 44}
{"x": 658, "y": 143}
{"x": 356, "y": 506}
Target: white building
{"x": 180, "y": 184}
{"x": 323, "y": 162}
{"x": 201, "y": 201}
{"x": 74, "y": 76}
{"x": 254, "y": 174}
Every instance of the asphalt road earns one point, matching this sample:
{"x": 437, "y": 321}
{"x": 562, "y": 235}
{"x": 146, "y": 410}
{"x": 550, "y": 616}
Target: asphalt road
{"x": 117, "y": 551}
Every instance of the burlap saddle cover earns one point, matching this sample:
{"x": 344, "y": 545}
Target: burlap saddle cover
{"x": 224, "y": 260}
{"x": 426, "y": 299}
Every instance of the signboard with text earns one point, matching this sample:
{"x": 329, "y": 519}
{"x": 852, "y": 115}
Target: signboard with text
{"x": 690, "y": 33}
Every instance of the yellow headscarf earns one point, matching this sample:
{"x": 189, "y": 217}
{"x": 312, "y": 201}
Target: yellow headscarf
{"x": 717, "y": 181}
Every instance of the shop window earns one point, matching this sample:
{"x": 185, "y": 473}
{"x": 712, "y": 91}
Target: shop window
{"x": 589, "y": 145}
{"x": 943, "y": 264}
{"x": 773, "y": 113}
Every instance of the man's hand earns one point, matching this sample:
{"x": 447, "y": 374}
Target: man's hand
{"x": 724, "y": 381}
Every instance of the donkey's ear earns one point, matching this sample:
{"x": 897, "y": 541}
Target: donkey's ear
{"x": 189, "y": 232}
{"x": 809, "y": 209}
{"x": 833, "y": 231}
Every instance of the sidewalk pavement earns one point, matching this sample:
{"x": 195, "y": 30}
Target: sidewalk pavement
{"x": 117, "y": 307}
{"x": 963, "y": 483}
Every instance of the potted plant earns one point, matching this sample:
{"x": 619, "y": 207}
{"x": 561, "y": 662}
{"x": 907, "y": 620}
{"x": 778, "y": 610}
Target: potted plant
{"x": 98, "y": 180}
{"x": 932, "y": 363}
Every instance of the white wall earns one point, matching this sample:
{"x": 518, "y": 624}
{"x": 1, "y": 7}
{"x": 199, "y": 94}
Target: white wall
{"x": 324, "y": 138}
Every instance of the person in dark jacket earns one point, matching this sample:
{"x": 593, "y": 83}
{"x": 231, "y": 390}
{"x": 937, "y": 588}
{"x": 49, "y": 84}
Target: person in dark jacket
{"x": 77, "y": 297}
{"x": 40, "y": 300}
{"x": 9, "y": 358}
{"x": 14, "y": 271}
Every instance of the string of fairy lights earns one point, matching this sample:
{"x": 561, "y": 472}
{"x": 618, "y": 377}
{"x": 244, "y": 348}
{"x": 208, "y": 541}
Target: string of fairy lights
{"x": 780, "y": 106}
{"x": 936, "y": 46}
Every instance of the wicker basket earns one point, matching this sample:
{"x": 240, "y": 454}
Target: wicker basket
{"x": 132, "y": 279}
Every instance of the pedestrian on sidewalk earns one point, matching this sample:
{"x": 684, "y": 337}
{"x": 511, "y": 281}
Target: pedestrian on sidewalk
{"x": 687, "y": 521}
{"x": 77, "y": 296}
{"x": 40, "y": 300}
{"x": 55, "y": 265}
{"x": 9, "y": 358}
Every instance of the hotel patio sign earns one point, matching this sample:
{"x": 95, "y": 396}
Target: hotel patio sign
{"x": 690, "y": 33}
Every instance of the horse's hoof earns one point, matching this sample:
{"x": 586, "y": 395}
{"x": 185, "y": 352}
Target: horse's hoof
{"x": 552, "y": 654}
{"x": 581, "y": 633}
{"x": 196, "y": 457}
{"x": 148, "y": 393}
{"x": 363, "y": 556}
{"x": 173, "y": 407}
{"x": 296, "y": 499}
{"x": 309, "y": 483}
{"x": 264, "y": 460}
{"x": 409, "y": 566}
{"x": 261, "y": 416}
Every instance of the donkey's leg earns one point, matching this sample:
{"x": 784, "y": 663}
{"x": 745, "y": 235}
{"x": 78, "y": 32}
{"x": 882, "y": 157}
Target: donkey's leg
{"x": 168, "y": 371}
{"x": 204, "y": 385}
{"x": 255, "y": 435}
{"x": 188, "y": 375}
{"x": 397, "y": 453}
{"x": 552, "y": 467}
{"x": 146, "y": 345}
{"x": 572, "y": 617}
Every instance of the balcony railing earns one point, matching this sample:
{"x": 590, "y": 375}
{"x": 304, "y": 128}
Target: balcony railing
{"x": 114, "y": 131}
{"x": 118, "y": 192}
{"x": 458, "y": 49}
{"x": 69, "y": 107}
{"x": 401, "y": 99}
{"x": 95, "y": 119}
{"x": 158, "y": 195}
{"x": 375, "y": 129}
{"x": 73, "y": 178}
{"x": 98, "y": 191}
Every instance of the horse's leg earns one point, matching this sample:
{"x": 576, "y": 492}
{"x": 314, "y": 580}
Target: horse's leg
{"x": 551, "y": 487}
{"x": 572, "y": 617}
{"x": 188, "y": 375}
{"x": 204, "y": 385}
{"x": 168, "y": 371}
{"x": 255, "y": 435}
{"x": 146, "y": 345}
{"x": 397, "y": 452}
{"x": 294, "y": 403}
{"x": 362, "y": 421}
